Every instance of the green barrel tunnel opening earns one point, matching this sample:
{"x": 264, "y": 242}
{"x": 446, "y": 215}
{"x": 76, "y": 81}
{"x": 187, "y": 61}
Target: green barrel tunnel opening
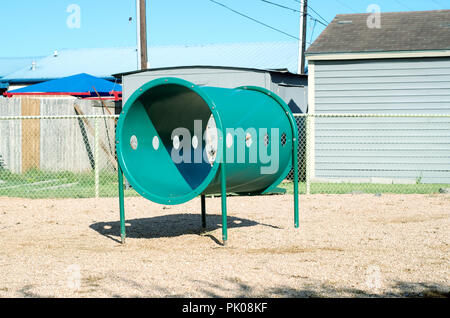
{"x": 151, "y": 116}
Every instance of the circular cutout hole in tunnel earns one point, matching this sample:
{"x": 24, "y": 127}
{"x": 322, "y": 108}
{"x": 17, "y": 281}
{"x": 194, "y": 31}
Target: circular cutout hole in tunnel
{"x": 176, "y": 142}
{"x": 155, "y": 143}
{"x": 194, "y": 142}
{"x": 133, "y": 142}
{"x": 248, "y": 139}
{"x": 229, "y": 140}
{"x": 211, "y": 140}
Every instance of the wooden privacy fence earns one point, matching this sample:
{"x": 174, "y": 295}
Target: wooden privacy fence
{"x": 30, "y": 134}
{"x": 56, "y": 135}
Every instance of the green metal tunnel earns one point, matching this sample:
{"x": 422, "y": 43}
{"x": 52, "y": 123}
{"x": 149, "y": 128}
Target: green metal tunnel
{"x": 176, "y": 140}
{"x": 156, "y": 109}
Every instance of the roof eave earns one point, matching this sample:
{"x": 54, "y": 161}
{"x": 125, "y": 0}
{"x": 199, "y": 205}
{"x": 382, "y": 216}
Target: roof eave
{"x": 283, "y": 71}
{"x": 18, "y": 81}
{"x": 323, "y": 56}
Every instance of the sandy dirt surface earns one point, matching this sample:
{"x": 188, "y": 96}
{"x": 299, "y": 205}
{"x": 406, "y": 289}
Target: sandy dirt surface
{"x": 358, "y": 245}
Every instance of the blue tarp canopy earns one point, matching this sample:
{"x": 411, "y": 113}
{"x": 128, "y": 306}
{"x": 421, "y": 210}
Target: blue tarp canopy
{"x": 83, "y": 85}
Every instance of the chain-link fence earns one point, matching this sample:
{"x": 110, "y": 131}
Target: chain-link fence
{"x": 373, "y": 153}
{"x": 58, "y": 156}
{"x": 74, "y": 156}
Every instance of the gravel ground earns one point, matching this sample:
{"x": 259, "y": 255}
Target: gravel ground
{"x": 353, "y": 245}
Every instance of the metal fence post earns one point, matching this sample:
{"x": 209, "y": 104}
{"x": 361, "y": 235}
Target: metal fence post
{"x": 308, "y": 154}
{"x": 123, "y": 233}
{"x": 96, "y": 157}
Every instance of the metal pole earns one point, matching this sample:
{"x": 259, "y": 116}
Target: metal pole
{"x": 302, "y": 41}
{"x": 308, "y": 155}
{"x": 295, "y": 164}
{"x": 138, "y": 35}
{"x": 203, "y": 200}
{"x": 223, "y": 188}
{"x": 121, "y": 204}
{"x": 96, "y": 158}
{"x": 143, "y": 34}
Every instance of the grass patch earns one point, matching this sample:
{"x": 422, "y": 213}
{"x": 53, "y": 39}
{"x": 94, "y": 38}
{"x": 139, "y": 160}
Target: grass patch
{"x": 44, "y": 184}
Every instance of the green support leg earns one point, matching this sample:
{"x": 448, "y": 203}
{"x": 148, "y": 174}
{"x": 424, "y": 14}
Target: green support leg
{"x": 223, "y": 188}
{"x": 203, "y": 199}
{"x": 121, "y": 205}
{"x": 295, "y": 164}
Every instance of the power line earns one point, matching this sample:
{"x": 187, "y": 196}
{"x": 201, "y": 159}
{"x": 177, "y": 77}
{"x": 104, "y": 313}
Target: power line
{"x": 254, "y": 20}
{"x": 311, "y": 17}
{"x": 317, "y": 13}
{"x": 312, "y": 32}
{"x": 314, "y": 19}
{"x": 279, "y": 5}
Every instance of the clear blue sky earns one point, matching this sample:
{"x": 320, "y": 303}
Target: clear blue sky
{"x": 36, "y": 28}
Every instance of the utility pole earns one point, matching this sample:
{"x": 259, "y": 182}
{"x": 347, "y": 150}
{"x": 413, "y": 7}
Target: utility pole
{"x": 141, "y": 31}
{"x": 138, "y": 36}
{"x": 302, "y": 38}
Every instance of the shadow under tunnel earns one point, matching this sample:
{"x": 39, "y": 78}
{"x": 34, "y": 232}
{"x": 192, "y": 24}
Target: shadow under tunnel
{"x": 170, "y": 226}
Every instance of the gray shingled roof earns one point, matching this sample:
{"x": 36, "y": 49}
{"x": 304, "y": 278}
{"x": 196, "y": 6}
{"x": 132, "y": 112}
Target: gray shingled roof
{"x": 400, "y": 31}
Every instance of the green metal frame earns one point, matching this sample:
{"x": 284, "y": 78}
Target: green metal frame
{"x": 293, "y": 124}
{"x": 295, "y": 164}
{"x": 223, "y": 190}
{"x": 203, "y": 202}
{"x": 223, "y": 186}
{"x": 121, "y": 204}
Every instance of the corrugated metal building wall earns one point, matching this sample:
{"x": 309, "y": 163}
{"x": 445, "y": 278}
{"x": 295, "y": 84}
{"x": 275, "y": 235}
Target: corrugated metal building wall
{"x": 398, "y": 148}
{"x": 291, "y": 87}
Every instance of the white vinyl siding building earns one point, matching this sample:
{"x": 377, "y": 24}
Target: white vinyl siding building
{"x": 401, "y": 149}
